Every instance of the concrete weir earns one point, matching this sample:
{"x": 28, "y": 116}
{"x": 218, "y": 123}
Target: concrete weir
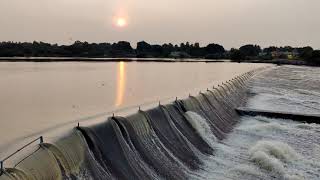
{"x": 308, "y": 118}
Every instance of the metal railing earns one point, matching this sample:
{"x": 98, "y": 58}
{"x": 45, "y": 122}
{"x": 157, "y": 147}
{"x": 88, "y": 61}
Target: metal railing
{"x": 17, "y": 151}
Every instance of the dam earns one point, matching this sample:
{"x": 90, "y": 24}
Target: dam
{"x": 201, "y": 136}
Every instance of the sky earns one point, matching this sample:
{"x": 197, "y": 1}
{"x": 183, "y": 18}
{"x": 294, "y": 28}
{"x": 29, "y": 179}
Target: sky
{"x": 231, "y": 23}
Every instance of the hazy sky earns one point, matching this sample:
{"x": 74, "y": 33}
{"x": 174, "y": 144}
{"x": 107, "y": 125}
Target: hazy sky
{"x": 228, "y": 22}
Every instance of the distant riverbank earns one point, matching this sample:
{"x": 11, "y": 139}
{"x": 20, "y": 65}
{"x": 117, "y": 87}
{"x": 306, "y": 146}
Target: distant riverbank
{"x": 281, "y": 62}
{"x": 185, "y": 52}
{"x": 171, "y": 60}
{"x": 87, "y": 59}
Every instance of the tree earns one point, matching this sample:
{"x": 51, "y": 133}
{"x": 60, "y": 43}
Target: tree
{"x": 236, "y": 55}
{"x": 286, "y": 49}
{"x": 250, "y": 50}
{"x": 270, "y": 49}
{"x": 122, "y": 48}
{"x": 143, "y": 47}
{"x": 196, "y": 51}
{"x": 214, "y": 49}
{"x": 167, "y": 49}
{"x": 315, "y": 57}
{"x": 305, "y": 52}
{"x": 157, "y": 50}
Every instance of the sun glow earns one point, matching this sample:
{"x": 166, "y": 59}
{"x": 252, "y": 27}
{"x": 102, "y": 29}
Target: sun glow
{"x": 121, "y": 22}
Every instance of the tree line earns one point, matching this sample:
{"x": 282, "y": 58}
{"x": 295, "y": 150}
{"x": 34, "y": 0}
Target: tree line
{"x": 146, "y": 50}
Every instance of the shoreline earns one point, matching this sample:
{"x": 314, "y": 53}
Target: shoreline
{"x": 166, "y": 60}
{"x": 88, "y": 59}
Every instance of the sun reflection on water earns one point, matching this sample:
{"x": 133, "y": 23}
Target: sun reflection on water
{"x": 121, "y": 83}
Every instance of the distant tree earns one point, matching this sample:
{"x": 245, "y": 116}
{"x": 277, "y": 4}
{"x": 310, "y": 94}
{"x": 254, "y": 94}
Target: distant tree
{"x": 197, "y": 51}
{"x": 283, "y": 56}
{"x": 265, "y": 56}
{"x": 146, "y": 50}
{"x": 143, "y": 47}
{"x": 270, "y": 49}
{"x": 250, "y": 50}
{"x": 315, "y": 57}
{"x": 187, "y": 45}
{"x": 305, "y": 52}
{"x": 214, "y": 49}
{"x": 122, "y": 45}
{"x": 78, "y": 48}
{"x": 122, "y": 48}
{"x": 236, "y": 55}
{"x": 167, "y": 49}
{"x": 182, "y": 46}
{"x": 157, "y": 51}
{"x": 286, "y": 49}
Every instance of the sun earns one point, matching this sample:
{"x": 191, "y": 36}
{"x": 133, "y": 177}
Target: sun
{"x": 121, "y": 22}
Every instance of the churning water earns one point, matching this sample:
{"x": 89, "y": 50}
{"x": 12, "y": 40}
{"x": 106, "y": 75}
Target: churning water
{"x": 200, "y": 137}
{"x": 264, "y": 148}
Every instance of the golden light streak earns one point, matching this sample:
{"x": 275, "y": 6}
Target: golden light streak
{"x": 121, "y": 83}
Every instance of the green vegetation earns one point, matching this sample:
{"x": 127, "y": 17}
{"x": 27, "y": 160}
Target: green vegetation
{"x": 249, "y": 52}
{"x": 237, "y": 55}
{"x": 315, "y": 57}
{"x": 286, "y": 55}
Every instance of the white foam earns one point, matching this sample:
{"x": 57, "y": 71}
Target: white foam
{"x": 266, "y": 127}
{"x": 202, "y": 127}
{"x": 316, "y": 151}
{"x": 310, "y": 127}
{"x": 277, "y": 149}
{"x": 273, "y": 155}
{"x": 293, "y": 177}
{"x": 265, "y": 161}
{"x": 246, "y": 169}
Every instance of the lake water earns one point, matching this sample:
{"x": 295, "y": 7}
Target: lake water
{"x": 38, "y": 97}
